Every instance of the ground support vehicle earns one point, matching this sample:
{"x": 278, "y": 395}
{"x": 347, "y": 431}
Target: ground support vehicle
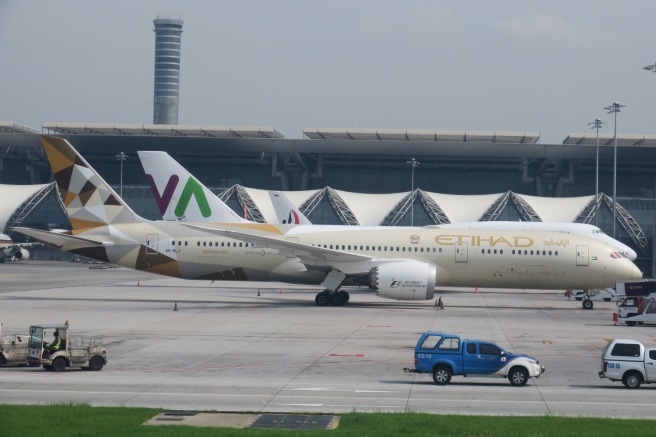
{"x": 89, "y": 353}
{"x": 639, "y": 305}
{"x": 444, "y": 355}
{"x": 588, "y": 296}
{"x": 13, "y": 349}
{"x": 628, "y": 361}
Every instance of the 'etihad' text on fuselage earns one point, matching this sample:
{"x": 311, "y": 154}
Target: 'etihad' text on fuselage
{"x": 477, "y": 240}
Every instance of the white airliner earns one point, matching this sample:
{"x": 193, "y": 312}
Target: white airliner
{"x": 179, "y": 195}
{"x": 397, "y": 262}
{"x": 169, "y": 181}
{"x": 14, "y": 251}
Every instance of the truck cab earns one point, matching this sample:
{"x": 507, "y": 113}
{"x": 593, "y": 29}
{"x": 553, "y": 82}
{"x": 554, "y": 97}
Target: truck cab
{"x": 445, "y": 355}
{"x": 628, "y": 361}
{"x": 639, "y": 305}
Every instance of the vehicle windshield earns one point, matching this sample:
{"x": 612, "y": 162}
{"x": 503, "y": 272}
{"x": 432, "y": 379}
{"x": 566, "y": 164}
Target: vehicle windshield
{"x": 36, "y": 336}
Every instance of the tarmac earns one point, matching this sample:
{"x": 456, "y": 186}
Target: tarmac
{"x": 229, "y": 350}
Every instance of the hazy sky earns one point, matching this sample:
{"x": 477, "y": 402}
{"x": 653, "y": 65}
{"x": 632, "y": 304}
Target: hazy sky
{"x": 547, "y": 66}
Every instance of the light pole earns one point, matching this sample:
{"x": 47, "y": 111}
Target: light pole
{"x": 596, "y": 125}
{"x": 413, "y": 163}
{"x": 614, "y": 109}
{"x": 121, "y": 157}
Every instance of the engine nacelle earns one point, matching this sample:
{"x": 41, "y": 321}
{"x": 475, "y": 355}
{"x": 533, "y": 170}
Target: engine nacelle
{"x": 404, "y": 279}
{"x": 22, "y": 254}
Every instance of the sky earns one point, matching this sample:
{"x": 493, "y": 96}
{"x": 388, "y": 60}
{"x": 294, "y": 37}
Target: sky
{"x": 477, "y": 65}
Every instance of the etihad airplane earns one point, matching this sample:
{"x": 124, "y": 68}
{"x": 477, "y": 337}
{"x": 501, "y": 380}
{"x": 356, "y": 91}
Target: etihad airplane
{"x": 14, "y": 251}
{"x": 196, "y": 203}
{"x": 182, "y": 197}
{"x": 397, "y": 262}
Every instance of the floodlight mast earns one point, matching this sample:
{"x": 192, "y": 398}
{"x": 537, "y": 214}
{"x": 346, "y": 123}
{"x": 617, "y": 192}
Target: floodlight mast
{"x": 121, "y": 157}
{"x": 413, "y": 163}
{"x": 596, "y": 124}
{"x": 614, "y": 109}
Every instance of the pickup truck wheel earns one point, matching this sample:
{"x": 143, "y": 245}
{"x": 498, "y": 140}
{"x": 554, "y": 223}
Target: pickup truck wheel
{"x": 96, "y": 363}
{"x": 59, "y": 365}
{"x": 442, "y": 375}
{"x": 632, "y": 380}
{"x": 518, "y": 376}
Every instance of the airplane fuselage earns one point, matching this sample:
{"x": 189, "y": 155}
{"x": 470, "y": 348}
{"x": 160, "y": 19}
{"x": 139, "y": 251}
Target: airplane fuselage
{"x": 464, "y": 258}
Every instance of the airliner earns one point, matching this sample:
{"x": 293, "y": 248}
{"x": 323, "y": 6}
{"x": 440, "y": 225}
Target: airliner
{"x": 14, "y": 251}
{"x": 185, "y": 196}
{"x": 397, "y": 262}
{"x": 180, "y": 196}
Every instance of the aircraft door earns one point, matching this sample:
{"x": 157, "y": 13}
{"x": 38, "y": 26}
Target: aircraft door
{"x": 152, "y": 243}
{"x": 462, "y": 252}
{"x": 582, "y": 256}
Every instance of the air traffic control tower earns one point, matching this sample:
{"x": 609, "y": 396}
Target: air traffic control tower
{"x": 168, "y": 36}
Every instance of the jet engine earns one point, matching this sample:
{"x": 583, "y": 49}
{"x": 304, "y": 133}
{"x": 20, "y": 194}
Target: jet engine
{"x": 403, "y": 279}
{"x": 22, "y": 254}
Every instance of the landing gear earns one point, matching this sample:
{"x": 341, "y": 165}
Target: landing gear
{"x": 337, "y": 298}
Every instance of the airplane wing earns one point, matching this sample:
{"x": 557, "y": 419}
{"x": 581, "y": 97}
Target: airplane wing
{"x": 350, "y": 263}
{"x": 59, "y": 240}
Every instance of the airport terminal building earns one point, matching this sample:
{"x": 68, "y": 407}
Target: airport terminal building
{"x": 367, "y": 176}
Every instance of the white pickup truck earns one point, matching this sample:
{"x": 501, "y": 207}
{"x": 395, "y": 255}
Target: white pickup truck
{"x": 628, "y": 361}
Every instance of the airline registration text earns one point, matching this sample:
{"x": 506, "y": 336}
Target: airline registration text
{"x": 477, "y": 240}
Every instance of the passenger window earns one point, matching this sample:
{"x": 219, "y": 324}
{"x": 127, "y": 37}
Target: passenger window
{"x": 489, "y": 349}
{"x": 430, "y": 342}
{"x": 471, "y": 348}
{"x": 652, "y": 355}
{"x": 450, "y": 344}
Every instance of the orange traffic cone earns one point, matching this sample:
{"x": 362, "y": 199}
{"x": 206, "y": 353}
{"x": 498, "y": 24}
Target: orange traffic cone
{"x": 175, "y": 308}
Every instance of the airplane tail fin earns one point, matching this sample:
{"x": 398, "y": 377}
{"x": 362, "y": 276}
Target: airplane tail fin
{"x": 286, "y": 212}
{"x": 89, "y": 201}
{"x": 179, "y": 195}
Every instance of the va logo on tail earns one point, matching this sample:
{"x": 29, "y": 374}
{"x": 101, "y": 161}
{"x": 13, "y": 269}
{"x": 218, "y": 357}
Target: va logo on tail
{"x": 191, "y": 189}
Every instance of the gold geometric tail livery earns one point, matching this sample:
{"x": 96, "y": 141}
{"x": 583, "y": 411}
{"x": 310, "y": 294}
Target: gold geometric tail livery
{"x": 89, "y": 201}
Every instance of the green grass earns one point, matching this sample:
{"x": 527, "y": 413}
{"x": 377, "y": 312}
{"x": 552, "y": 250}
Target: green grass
{"x": 83, "y": 420}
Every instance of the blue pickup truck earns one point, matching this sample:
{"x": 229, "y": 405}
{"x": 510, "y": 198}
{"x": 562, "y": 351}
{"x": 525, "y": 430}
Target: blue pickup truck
{"x": 445, "y": 355}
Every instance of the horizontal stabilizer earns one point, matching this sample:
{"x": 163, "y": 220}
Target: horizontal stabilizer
{"x": 60, "y": 240}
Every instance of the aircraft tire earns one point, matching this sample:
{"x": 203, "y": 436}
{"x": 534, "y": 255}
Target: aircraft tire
{"x": 345, "y": 296}
{"x": 321, "y": 299}
{"x": 588, "y": 304}
{"x": 48, "y": 367}
{"x": 337, "y": 299}
{"x": 2, "y": 360}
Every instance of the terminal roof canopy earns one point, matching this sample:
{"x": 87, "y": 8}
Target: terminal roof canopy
{"x": 13, "y": 196}
{"x": 607, "y": 139}
{"x": 162, "y": 129}
{"x": 421, "y": 135}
